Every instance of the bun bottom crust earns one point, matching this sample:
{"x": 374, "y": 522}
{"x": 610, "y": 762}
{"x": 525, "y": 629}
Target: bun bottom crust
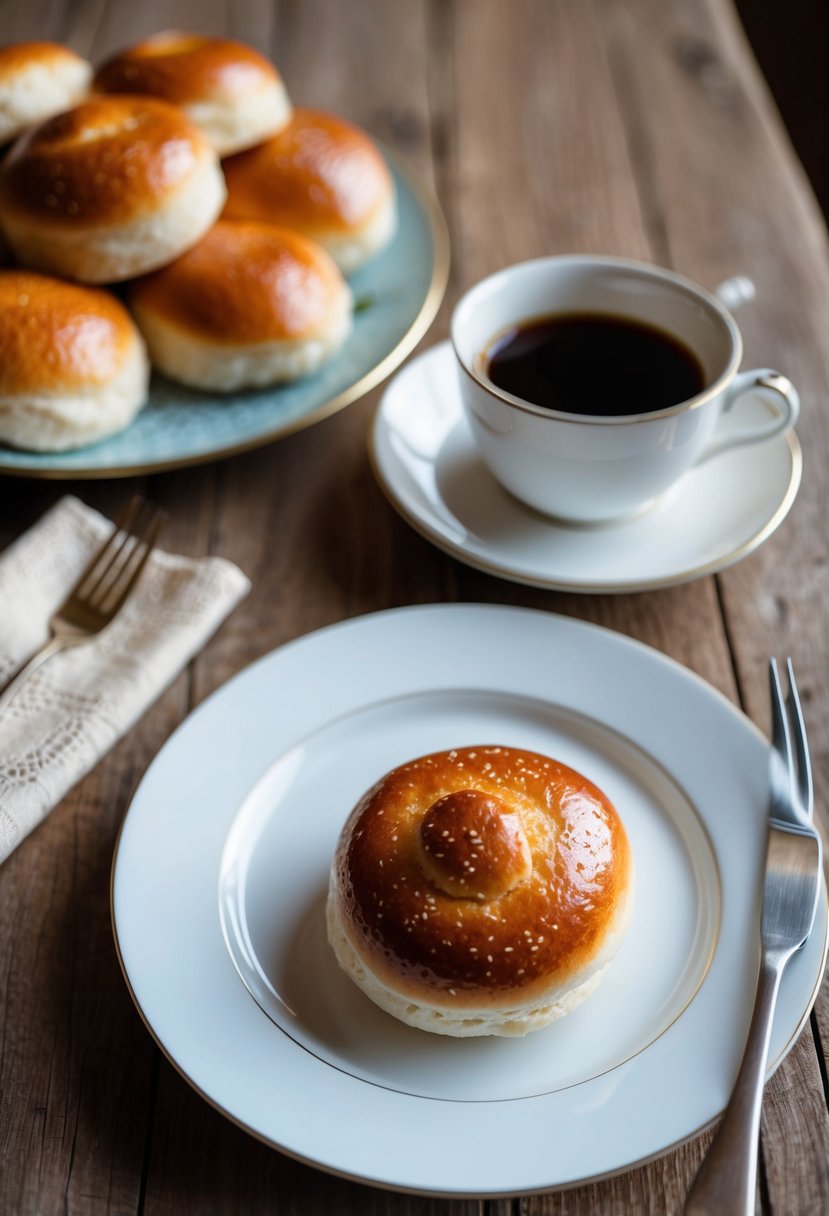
{"x": 510, "y": 1023}
{"x": 39, "y": 91}
{"x": 56, "y": 422}
{"x": 114, "y": 252}
{"x": 232, "y": 126}
{"x": 226, "y": 368}
{"x": 351, "y": 250}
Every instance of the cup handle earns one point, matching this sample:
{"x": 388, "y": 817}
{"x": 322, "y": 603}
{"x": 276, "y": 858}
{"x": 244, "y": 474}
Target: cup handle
{"x": 777, "y": 392}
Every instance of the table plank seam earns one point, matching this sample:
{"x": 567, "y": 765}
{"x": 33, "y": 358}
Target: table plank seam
{"x": 821, "y": 1054}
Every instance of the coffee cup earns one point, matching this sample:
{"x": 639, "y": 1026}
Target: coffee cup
{"x": 623, "y": 455}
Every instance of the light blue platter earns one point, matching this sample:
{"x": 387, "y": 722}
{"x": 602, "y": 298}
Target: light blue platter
{"x": 396, "y": 295}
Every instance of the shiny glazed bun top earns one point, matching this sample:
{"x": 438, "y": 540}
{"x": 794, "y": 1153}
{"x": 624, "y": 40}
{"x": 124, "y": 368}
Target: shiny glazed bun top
{"x": 477, "y": 880}
{"x": 181, "y": 68}
{"x": 107, "y": 161}
{"x": 244, "y": 283}
{"x": 15, "y": 57}
{"x": 59, "y": 337}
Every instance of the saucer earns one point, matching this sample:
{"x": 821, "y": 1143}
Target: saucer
{"x": 427, "y": 464}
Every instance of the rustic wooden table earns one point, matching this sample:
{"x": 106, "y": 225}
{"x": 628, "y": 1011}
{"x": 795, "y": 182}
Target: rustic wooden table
{"x": 638, "y": 128}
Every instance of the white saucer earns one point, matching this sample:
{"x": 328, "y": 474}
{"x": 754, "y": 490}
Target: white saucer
{"x": 426, "y": 462}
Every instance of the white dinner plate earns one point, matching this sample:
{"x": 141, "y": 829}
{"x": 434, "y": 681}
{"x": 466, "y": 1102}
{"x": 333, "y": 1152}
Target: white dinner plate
{"x": 426, "y": 462}
{"x": 220, "y": 875}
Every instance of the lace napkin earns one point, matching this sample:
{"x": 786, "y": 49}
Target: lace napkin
{"x": 71, "y": 710}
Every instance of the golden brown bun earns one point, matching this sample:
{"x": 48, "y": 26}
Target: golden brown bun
{"x": 231, "y": 92}
{"x": 73, "y": 365}
{"x": 321, "y": 176}
{"x": 111, "y": 188}
{"x": 480, "y": 891}
{"x": 250, "y": 304}
{"x": 38, "y": 79}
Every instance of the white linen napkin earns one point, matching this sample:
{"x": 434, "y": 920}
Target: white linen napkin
{"x": 71, "y": 710}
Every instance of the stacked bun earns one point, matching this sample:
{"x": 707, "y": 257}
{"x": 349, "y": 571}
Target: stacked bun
{"x": 251, "y": 305}
{"x": 235, "y": 96}
{"x": 74, "y": 368}
{"x": 38, "y": 79}
{"x": 480, "y": 891}
{"x": 124, "y": 185}
{"x": 325, "y": 178}
{"x": 110, "y": 189}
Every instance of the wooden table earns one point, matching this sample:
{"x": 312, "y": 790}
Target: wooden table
{"x": 638, "y": 128}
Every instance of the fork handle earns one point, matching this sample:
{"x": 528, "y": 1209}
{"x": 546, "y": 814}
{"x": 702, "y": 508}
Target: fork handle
{"x": 726, "y": 1184}
{"x": 51, "y": 647}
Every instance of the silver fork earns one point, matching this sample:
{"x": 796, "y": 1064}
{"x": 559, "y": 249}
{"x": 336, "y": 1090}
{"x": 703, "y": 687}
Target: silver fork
{"x": 99, "y": 593}
{"x": 727, "y": 1179}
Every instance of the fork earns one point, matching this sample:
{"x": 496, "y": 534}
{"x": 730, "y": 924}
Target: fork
{"x": 727, "y": 1179}
{"x": 101, "y": 590}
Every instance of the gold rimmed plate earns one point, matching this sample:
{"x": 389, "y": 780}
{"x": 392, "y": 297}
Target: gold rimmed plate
{"x": 396, "y": 297}
{"x": 221, "y": 868}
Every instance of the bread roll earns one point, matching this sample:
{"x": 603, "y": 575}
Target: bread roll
{"x": 480, "y": 891}
{"x": 234, "y": 95}
{"x": 323, "y": 177}
{"x": 73, "y": 366}
{"x": 37, "y": 80}
{"x": 251, "y": 305}
{"x": 110, "y": 189}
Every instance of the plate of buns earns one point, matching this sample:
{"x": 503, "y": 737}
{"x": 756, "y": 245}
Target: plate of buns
{"x": 191, "y": 265}
{"x": 466, "y": 920}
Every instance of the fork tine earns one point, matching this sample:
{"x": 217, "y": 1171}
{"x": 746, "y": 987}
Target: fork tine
{"x": 804, "y": 767}
{"x": 780, "y": 736}
{"x": 135, "y": 563}
{"x": 109, "y": 575}
{"x": 782, "y": 767}
{"x": 110, "y": 546}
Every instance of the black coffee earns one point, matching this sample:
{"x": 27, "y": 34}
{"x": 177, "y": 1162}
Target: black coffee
{"x": 589, "y": 363}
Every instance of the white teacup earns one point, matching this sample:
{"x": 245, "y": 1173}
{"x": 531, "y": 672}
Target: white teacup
{"x": 598, "y": 468}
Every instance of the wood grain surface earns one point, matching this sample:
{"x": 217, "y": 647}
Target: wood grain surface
{"x": 545, "y": 126}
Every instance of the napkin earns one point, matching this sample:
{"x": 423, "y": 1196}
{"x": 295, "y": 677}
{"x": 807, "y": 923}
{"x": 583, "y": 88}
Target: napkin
{"x": 71, "y": 710}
